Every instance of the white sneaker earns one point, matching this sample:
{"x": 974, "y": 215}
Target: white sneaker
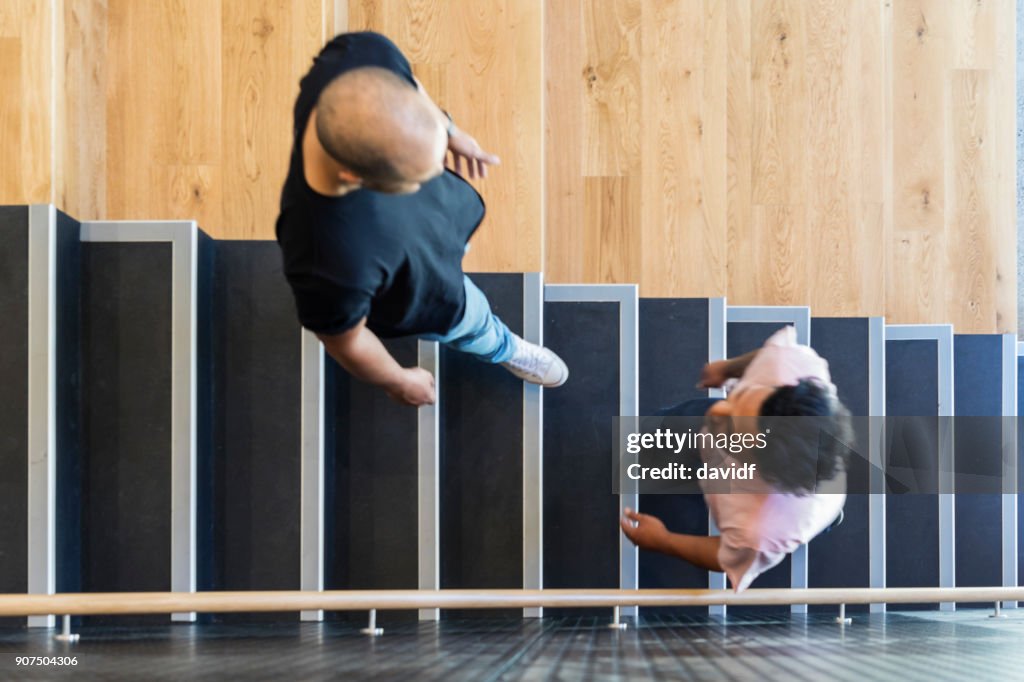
{"x": 536, "y": 365}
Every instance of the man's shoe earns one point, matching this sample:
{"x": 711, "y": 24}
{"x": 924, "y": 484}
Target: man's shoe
{"x": 536, "y": 365}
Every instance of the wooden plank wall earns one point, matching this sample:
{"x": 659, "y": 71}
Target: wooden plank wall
{"x": 155, "y": 110}
{"x": 26, "y": 110}
{"x": 854, "y": 155}
{"x": 199, "y": 119}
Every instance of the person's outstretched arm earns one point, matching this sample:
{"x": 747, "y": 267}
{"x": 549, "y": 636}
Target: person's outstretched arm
{"x": 716, "y": 373}
{"x": 648, "y": 532}
{"x": 362, "y": 354}
{"x": 468, "y": 157}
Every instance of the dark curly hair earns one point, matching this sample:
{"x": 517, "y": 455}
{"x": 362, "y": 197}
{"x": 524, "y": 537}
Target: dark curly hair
{"x": 801, "y": 453}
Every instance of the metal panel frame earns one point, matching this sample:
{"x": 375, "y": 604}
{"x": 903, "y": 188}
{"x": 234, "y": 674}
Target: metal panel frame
{"x": 799, "y": 317}
{"x": 942, "y": 334}
{"x": 311, "y": 524}
{"x": 876, "y": 439}
{"x": 429, "y": 456}
{"x": 1010, "y": 464}
{"x": 533, "y": 444}
{"x": 718, "y": 334}
{"x": 183, "y": 236}
{"x": 627, "y": 296}
{"x": 42, "y": 405}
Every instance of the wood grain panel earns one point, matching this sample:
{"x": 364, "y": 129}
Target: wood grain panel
{"x": 612, "y": 213}
{"x": 845, "y": 264}
{"x": 888, "y": 231}
{"x": 1005, "y": 228}
{"x": 612, "y": 96}
{"x": 770, "y": 258}
{"x": 496, "y": 86}
{"x": 779, "y": 102}
{"x": 211, "y": 135}
{"x": 714, "y": 273}
{"x": 971, "y": 183}
{"x": 739, "y": 136}
{"x": 164, "y": 137}
{"x": 871, "y": 249}
{"x": 265, "y": 45}
{"x": 915, "y": 285}
{"x": 81, "y": 148}
{"x": 832, "y": 154}
{"x": 974, "y": 25}
{"x": 868, "y": 21}
{"x": 30, "y": 77}
{"x": 11, "y": 189}
{"x": 831, "y": 124}
{"x": 674, "y": 238}
{"x": 564, "y": 85}
{"x": 921, "y": 59}
{"x": 865, "y": 72}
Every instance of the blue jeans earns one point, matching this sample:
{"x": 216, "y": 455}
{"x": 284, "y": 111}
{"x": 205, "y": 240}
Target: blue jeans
{"x": 479, "y": 332}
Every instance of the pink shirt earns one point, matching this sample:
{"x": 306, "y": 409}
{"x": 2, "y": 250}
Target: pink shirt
{"x": 759, "y": 527}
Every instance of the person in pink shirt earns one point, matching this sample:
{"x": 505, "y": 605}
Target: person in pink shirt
{"x": 800, "y": 488}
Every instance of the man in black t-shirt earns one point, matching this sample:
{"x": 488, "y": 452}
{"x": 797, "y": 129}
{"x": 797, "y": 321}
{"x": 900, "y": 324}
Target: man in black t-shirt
{"x": 373, "y": 227}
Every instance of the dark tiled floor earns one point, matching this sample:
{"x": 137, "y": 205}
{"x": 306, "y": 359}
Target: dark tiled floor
{"x": 966, "y": 645}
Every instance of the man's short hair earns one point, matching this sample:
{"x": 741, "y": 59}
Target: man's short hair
{"x": 361, "y": 154}
{"x": 804, "y": 452}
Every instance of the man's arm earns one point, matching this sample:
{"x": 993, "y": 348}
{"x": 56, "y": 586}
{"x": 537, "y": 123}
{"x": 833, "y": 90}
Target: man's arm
{"x": 363, "y": 355}
{"x": 716, "y": 373}
{"x": 648, "y": 532}
{"x": 466, "y": 151}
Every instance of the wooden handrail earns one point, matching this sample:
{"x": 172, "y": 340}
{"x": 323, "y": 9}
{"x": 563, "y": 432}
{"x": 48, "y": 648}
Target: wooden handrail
{"x": 115, "y": 603}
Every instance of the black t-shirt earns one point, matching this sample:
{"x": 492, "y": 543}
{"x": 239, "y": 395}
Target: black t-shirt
{"x": 394, "y": 259}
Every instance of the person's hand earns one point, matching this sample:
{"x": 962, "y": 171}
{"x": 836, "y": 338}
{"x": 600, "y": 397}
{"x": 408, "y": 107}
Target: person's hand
{"x": 713, "y": 375}
{"x": 415, "y": 388}
{"x": 467, "y": 154}
{"x": 645, "y": 531}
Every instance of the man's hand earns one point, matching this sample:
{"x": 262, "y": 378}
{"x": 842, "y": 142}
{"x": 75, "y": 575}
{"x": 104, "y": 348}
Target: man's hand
{"x": 644, "y": 530}
{"x": 467, "y": 153}
{"x": 714, "y": 374}
{"x": 415, "y": 387}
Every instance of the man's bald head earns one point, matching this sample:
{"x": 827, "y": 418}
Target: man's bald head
{"x": 381, "y": 128}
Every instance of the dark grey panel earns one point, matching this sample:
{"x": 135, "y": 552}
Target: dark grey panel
{"x": 912, "y": 521}
{"x": 257, "y": 426}
{"x": 69, "y": 413}
{"x": 126, "y": 417}
{"x": 840, "y": 558}
{"x": 371, "y": 486}
{"x": 581, "y": 532}
{"x": 911, "y": 374}
{"x": 14, "y": 397}
{"x": 978, "y": 387}
{"x": 673, "y": 350}
{"x": 481, "y": 469}
{"x": 744, "y": 337}
{"x": 843, "y": 341}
